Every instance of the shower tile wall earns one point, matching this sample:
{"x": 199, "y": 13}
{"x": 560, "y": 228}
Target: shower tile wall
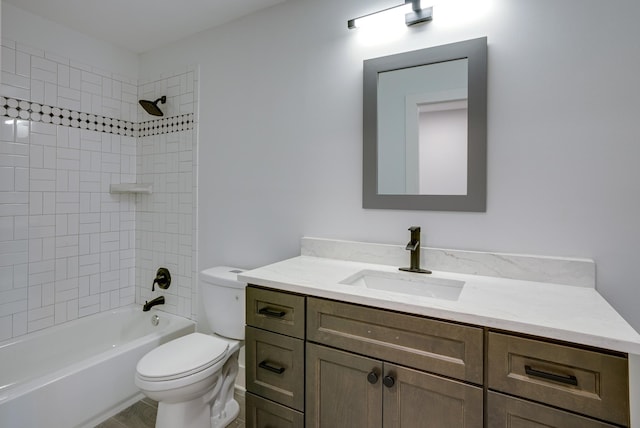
{"x": 166, "y": 220}
{"x": 68, "y": 246}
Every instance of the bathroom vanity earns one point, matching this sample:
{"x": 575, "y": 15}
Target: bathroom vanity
{"x": 338, "y": 342}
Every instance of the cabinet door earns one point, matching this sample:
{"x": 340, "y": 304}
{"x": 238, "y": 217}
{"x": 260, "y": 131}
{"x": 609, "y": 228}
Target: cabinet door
{"x": 416, "y": 399}
{"x": 344, "y": 390}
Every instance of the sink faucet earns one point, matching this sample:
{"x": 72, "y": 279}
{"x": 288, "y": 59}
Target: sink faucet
{"x": 152, "y": 303}
{"x": 414, "y": 247}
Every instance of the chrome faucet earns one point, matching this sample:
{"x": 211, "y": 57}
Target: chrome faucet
{"x": 150, "y": 304}
{"x": 414, "y": 247}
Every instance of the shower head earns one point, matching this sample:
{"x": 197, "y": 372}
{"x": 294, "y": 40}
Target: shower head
{"x": 152, "y": 108}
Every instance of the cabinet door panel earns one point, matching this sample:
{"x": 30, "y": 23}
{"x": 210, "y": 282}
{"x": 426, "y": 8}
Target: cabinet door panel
{"x": 339, "y": 391}
{"x": 421, "y": 400}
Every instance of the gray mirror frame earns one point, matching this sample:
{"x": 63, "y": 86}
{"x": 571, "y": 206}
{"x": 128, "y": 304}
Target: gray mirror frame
{"x": 475, "y": 200}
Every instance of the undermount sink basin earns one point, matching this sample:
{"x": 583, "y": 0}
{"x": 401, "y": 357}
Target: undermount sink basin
{"x": 414, "y": 284}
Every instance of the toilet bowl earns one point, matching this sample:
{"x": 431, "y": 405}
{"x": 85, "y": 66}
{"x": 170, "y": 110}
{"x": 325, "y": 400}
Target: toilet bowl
{"x": 192, "y": 378}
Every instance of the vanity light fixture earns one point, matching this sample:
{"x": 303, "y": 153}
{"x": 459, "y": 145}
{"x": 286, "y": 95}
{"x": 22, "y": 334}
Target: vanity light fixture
{"x": 412, "y": 10}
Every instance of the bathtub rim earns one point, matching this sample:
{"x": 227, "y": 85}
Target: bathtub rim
{"x": 11, "y": 391}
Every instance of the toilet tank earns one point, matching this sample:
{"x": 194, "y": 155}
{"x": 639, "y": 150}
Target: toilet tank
{"x": 224, "y": 301}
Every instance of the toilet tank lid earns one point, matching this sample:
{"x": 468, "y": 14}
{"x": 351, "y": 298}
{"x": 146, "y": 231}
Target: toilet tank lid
{"x": 226, "y": 276}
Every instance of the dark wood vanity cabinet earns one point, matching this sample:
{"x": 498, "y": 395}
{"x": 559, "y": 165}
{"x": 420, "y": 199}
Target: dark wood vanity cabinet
{"x": 274, "y": 359}
{"x": 561, "y": 377}
{"x": 370, "y": 367}
{"x": 319, "y": 363}
{"x": 348, "y": 390}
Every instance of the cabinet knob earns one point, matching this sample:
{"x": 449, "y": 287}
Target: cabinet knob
{"x": 372, "y": 377}
{"x": 388, "y": 381}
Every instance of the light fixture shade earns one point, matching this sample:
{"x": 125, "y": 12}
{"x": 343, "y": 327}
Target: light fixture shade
{"x": 411, "y": 9}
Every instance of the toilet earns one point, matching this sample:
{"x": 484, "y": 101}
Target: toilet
{"x": 192, "y": 378}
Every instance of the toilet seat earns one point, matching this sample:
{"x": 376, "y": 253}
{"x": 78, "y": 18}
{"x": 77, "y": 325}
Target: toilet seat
{"x": 181, "y": 357}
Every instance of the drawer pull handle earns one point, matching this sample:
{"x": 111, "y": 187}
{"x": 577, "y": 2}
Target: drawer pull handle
{"x": 273, "y": 313}
{"x": 372, "y": 378}
{"x": 265, "y": 365}
{"x": 569, "y": 379}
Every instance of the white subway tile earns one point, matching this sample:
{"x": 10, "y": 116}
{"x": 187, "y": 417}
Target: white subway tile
{"x": 11, "y": 307}
{"x": 62, "y": 181}
{"x": 48, "y": 293}
{"x": 8, "y": 60}
{"x": 6, "y": 228}
{"x": 75, "y": 78}
{"x": 72, "y": 309}
{"x": 19, "y": 323}
{"x": 14, "y": 92}
{"x": 40, "y": 63}
{"x": 51, "y": 93}
{"x": 48, "y": 203}
{"x": 67, "y": 103}
{"x": 60, "y": 312}
{"x": 63, "y": 76}
{"x": 15, "y": 80}
{"x": 60, "y": 271}
{"x": 21, "y": 227}
{"x": 35, "y": 203}
{"x": 7, "y": 182}
{"x": 6, "y": 327}
{"x": 37, "y": 90}
{"x": 23, "y": 64}
{"x": 87, "y": 310}
{"x": 6, "y": 278}
{"x": 91, "y": 88}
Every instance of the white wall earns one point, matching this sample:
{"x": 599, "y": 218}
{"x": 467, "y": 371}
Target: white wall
{"x": 281, "y": 109}
{"x": 35, "y": 31}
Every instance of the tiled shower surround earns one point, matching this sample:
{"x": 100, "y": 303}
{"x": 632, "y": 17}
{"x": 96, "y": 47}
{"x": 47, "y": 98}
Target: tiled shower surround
{"x": 68, "y": 247}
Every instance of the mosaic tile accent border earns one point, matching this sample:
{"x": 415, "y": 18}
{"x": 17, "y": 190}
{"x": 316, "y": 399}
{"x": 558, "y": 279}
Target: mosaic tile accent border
{"x": 26, "y": 110}
{"x": 166, "y": 125}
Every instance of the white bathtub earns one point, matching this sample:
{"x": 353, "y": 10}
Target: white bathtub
{"x": 79, "y": 373}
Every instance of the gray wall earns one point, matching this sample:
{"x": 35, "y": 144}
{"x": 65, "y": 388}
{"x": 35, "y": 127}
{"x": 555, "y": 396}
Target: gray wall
{"x": 280, "y": 133}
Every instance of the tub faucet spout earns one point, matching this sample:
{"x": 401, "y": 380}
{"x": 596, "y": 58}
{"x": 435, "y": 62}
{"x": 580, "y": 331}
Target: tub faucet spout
{"x": 152, "y": 303}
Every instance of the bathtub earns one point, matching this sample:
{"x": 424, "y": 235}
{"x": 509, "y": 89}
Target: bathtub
{"x": 80, "y": 373}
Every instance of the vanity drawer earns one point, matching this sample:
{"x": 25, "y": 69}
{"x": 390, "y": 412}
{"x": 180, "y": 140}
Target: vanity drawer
{"x": 588, "y": 382}
{"x": 510, "y": 412}
{"x": 275, "y": 367}
{"x": 276, "y": 311}
{"x": 435, "y": 346}
{"x": 262, "y": 413}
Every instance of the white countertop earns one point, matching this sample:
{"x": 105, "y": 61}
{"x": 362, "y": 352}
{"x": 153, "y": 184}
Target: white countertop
{"x": 563, "y": 312}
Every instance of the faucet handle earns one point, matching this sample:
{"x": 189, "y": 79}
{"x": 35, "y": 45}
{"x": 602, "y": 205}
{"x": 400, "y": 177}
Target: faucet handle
{"x": 163, "y": 279}
{"x": 414, "y": 229}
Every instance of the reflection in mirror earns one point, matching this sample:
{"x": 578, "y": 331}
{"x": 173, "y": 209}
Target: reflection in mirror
{"x": 426, "y": 108}
{"x": 424, "y": 129}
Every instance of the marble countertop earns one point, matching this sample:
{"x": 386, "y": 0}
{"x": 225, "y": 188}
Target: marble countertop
{"x": 563, "y": 312}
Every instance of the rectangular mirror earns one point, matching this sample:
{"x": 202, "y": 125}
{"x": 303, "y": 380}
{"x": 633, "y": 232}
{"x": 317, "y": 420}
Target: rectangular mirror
{"x": 424, "y": 129}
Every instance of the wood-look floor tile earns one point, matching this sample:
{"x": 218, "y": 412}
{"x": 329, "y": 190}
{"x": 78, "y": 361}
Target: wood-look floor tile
{"x": 140, "y": 415}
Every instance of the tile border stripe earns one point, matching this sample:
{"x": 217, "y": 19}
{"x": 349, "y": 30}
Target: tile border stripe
{"x": 26, "y": 110}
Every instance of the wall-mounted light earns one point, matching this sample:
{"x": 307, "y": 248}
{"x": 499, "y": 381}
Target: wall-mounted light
{"x": 412, "y": 10}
